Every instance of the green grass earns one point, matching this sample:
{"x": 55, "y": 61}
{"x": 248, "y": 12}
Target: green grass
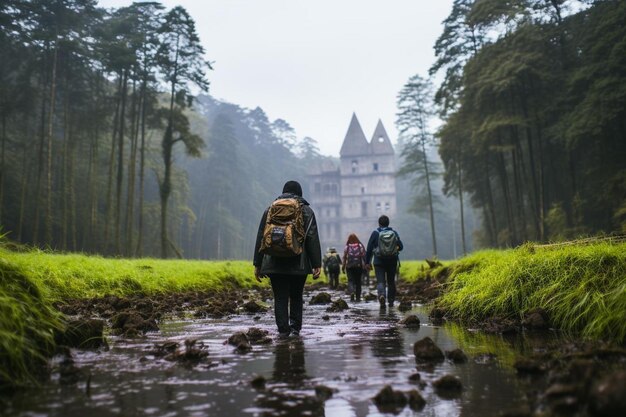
{"x": 583, "y": 287}
{"x": 416, "y": 270}
{"x": 79, "y": 276}
{"x": 31, "y": 281}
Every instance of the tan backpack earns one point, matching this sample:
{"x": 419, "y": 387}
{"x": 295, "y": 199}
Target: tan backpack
{"x": 284, "y": 233}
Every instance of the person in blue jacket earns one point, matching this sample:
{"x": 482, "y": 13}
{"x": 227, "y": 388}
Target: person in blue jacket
{"x": 385, "y": 259}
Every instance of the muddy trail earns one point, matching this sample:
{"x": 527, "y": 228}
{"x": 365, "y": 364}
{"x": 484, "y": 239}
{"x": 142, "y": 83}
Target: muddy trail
{"x": 218, "y": 354}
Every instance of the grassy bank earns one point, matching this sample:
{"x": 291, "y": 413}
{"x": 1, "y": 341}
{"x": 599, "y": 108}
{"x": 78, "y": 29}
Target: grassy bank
{"x": 582, "y": 287}
{"x": 31, "y": 281}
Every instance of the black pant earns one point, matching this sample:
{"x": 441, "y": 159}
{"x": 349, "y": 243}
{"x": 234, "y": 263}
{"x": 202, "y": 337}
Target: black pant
{"x": 354, "y": 278}
{"x": 386, "y": 277}
{"x": 288, "y": 301}
{"x": 333, "y": 279}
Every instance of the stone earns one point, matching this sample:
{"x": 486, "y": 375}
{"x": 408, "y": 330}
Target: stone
{"x": 425, "y": 350}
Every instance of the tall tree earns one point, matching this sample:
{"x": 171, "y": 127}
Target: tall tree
{"x": 182, "y": 63}
{"x": 414, "y": 104}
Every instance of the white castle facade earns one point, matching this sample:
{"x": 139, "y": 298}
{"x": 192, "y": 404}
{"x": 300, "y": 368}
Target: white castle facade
{"x": 350, "y": 197}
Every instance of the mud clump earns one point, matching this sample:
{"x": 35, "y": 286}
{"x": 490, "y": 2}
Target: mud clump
{"x": 411, "y": 322}
{"x": 83, "y": 334}
{"x": 195, "y": 352}
{"x": 258, "y": 382}
{"x": 448, "y": 386}
{"x": 437, "y": 316}
{"x": 253, "y": 307}
{"x": 370, "y": 297}
{"x": 456, "y": 356}
{"x": 321, "y": 299}
{"x": 240, "y": 341}
{"x": 131, "y": 324}
{"x": 536, "y": 319}
{"x": 258, "y": 336}
{"x": 426, "y": 350}
{"x": 338, "y": 305}
{"x": 390, "y": 401}
{"x": 415, "y": 400}
{"x": 405, "y": 306}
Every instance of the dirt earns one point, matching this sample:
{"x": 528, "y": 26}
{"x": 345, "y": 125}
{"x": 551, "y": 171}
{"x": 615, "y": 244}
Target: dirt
{"x": 577, "y": 378}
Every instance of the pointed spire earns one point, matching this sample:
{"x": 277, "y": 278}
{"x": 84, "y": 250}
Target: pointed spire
{"x": 355, "y": 142}
{"x": 380, "y": 143}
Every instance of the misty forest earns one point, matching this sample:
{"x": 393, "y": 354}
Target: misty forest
{"x": 130, "y": 197}
{"x": 111, "y": 144}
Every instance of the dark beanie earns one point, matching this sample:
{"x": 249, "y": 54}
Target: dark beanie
{"x": 293, "y": 187}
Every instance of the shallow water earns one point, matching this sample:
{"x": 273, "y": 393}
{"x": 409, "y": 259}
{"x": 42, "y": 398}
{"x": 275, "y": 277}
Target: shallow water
{"x": 356, "y": 352}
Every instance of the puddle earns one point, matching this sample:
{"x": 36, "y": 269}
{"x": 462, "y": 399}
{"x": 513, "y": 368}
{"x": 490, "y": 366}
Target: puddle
{"x": 355, "y": 353}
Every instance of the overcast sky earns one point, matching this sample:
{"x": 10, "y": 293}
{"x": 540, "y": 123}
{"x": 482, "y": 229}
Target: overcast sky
{"x": 315, "y": 62}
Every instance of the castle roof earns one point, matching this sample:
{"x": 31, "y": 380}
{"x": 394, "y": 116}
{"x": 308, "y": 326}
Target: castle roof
{"x": 380, "y": 143}
{"x": 355, "y": 142}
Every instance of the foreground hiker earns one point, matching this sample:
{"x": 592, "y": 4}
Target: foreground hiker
{"x": 287, "y": 250}
{"x": 384, "y": 245}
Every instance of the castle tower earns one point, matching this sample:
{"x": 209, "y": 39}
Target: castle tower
{"x": 368, "y": 183}
{"x": 350, "y": 198}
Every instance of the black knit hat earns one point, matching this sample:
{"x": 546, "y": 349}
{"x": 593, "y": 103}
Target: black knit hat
{"x": 293, "y": 187}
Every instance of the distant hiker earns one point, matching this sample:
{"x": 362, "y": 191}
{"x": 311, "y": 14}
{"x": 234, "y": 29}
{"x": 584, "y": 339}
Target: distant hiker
{"x": 287, "y": 250}
{"x": 354, "y": 264}
{"x": 384, "y": 245}
{"x": 332, "y": 266}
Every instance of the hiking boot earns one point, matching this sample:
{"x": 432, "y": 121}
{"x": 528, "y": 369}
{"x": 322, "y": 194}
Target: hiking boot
{"x": 294, "y": 333}
{"x": 283, "y": 335}
{"x": 381, "y": 299}
{"x": 351, "y": 297}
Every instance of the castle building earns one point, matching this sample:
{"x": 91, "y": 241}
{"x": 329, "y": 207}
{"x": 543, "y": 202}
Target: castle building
{"x": 350, "y": 197}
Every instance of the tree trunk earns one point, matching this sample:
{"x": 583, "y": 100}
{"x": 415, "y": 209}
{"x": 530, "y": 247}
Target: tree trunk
{"x": 53, "y": 86}
{"x": 430, "y": 200}
{"x": 142, "y": 165}
{"x": 130, "y": 205}
{"x": 109, "y": 201}
{"x": 460, "y": 180}
{"x": 120, "y": 167}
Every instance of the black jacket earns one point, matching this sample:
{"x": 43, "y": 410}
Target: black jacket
{"x": 372, "y": 244}
{"x": 302, "y": 264}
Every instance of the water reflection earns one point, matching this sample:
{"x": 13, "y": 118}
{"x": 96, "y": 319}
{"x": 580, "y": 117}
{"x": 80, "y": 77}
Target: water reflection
{"x": 388, "y": 344}
{"x": 289, "y": 364}
{"x": 295, "y": 398}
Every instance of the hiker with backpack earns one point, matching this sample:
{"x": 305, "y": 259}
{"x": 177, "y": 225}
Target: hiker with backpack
{"x": 384, "y": 245}
{"x": 354, "y": 264}
{"x": 332, "y": 266}
{"x": 287, "y": 250}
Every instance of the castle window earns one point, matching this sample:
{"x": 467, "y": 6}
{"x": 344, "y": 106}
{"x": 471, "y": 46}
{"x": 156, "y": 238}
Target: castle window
{"x": 355, "y": 166}
{"x": 318, "y": 187}
{"x": 333, "y": 189}
{"x": 363, "y": 208}
{"x": 362, "y": 190}
{"x": 381, "y": 139}
{"x": 375, "y": 167}
{"x": 378, "y": 207}
{"x": 387, "y": 206}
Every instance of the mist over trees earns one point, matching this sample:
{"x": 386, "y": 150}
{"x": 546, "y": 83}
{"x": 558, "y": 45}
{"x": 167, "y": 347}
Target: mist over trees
{"x": 533, "y": 106}
{"x": 93, "y": 106}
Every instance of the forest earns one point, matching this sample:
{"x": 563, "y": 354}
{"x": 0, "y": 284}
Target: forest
{"x": 101, "y": 120}
{"x": 111, "y": 143}
{"x": 533, "y": 103}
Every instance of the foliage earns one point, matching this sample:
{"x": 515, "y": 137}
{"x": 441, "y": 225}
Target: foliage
{"x": 534, "y": 115}
{"x": 581, "y": 287}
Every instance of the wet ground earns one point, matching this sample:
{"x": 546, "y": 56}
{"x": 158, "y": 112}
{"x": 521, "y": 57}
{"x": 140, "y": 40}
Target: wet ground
{"x": 336, "y": 367}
